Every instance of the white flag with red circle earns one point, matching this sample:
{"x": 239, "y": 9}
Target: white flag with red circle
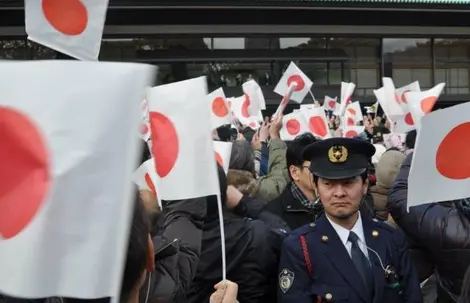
{"x": 353, "y": 114}
{"x": 220, "y": 111}
{"x": 389, "y": 100}
{"x": 422, "y": 103}
{"x": 317, "y": 122}
{"x": 293, "y": 74}
{"x": 223, "y": 151}
{"x": 72, "y": 27}
{"x": 441, "y": 157}
{"x": 181, "y": 140}
{"x": 66, "y": 192}
{"x": 293, "y": 125}
{"x": 401, "y": 91}
{"x": 347, "y": 90}
{"x": 255, "y": 97}
{"x": 352, "y": 131}
{"x": 330, "y": 103}
{"x": 145, "y": 178}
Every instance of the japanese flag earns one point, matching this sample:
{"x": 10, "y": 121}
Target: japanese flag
{"x": 293, "y": 125}
{"x": 220, "y": 111}
{"x": 293, "y": 74}
{"x": 347, "y": 90}
{"x": 353, "y": 114}
{"x": 389, "y": 101}
{"x": 330, "y": 103}
{"x": 441, "y": 157}
{"x": 72, "y": 27}
{"x": 352, "y": 131}
{"x": 255, "y": 97}
{"x": 422, "y": 103}
{"x": 182, "y": 146}
{"x": 68, "y": 150}
{"x": 316, "y": 122}
{"x": 223, "y": 151}
{"x": 401, "y": 91}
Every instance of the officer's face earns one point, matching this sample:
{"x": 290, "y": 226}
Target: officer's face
{"x": 341, "y": 198}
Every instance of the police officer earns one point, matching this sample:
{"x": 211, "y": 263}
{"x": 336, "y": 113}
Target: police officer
{"x": 344, "y": 257}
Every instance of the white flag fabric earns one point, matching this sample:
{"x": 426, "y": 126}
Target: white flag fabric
{"x": 74, "y": 27}
{"x": 255, "y": 96}
{"x": 69, "y": 148}
{"x": 316, "y": 121}
{"x": 440, "y": 169}
{"x": 293, "y": 125}
{"x": 182, "y": 145}
{"x": 223, "y": 151}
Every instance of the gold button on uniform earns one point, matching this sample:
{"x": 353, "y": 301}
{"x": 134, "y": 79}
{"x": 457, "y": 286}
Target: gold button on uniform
{"x": 324, "y": 238}
{"x": 375, "y": 233}
{"x": 329, "y": 297}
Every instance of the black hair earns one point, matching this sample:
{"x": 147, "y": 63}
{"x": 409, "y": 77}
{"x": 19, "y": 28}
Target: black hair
{"x": 145, "y": 155}
{"x": 242, "y": 157}
{"x": 410, "y": 139}
{"x": 137, "y": 249}
{"x": 223, "y": 132}
{"x": 295, "y": 147}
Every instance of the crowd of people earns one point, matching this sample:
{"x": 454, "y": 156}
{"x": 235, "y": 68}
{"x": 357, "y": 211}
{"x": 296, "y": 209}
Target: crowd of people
{"x": 307, "y": 220}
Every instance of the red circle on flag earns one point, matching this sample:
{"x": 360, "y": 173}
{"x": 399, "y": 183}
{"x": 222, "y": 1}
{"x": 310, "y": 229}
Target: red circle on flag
{"x": 409, "y": 119}
{"x": 245, "y": 106}
{"x": 219, "y": 159}
{"x": 70, "y": 17}
{"x": 144, "y": 129}
{"x": 165, "y": 143}
{"x": 350, "y": 122}
{"x": 299, "y": 80}
{"x": 150, "y": 184}
{"x": 317, "y": 126}
{"x": 453, "y": 152}
{"x": 219, "y": 108}
{"x": 352, "y": 111}
{"x": 332, "y": 104}
{"x": 403, "y": 97}
{"x": 25, "y": 177}
{"x": 350, "y": 134}
{"x": 293, "y": 127}
{"x": 427, "y": 104}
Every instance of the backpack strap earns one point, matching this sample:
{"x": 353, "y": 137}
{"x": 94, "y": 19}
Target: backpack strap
{"x": 308, "y": 262}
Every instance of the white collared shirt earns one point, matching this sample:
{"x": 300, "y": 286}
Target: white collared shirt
{"x": 343, "y": 235}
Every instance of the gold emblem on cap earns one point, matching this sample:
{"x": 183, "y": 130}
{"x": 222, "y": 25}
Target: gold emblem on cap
{"x": 375, "y": 233}
{"x": 324, "y": 238}
{"x": 338, "y": 154}
{"x": 328, "y": 296}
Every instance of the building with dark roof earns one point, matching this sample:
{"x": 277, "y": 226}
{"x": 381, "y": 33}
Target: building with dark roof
{"x": 234, "y": 40}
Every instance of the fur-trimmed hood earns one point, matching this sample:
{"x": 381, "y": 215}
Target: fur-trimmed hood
{"x": 244, "y": 181}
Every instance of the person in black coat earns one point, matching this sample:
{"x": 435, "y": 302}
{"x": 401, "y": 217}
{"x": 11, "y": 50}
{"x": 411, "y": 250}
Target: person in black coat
{"x": 252, "y": 250}
{"x": 440, "y": 230}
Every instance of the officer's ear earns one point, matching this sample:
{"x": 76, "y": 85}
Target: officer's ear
{"x": 365, "y": 186}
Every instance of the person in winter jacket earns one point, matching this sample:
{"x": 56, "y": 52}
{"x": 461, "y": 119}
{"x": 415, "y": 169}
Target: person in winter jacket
{"x": 440, "y": 229}
{"x": 252, "y": 250}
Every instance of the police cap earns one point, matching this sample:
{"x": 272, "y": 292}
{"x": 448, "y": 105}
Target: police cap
{"x": 338, "y": 158}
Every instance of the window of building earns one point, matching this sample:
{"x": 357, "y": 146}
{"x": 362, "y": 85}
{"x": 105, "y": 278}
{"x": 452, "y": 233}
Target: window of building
{"x": 452, "y": 65}
{"x": 363, "y": 63}
{"x": 408, "y": 60}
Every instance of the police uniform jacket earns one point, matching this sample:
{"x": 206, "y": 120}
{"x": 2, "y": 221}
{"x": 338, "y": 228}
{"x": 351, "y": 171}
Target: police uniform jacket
{"x": 334, "y": 277}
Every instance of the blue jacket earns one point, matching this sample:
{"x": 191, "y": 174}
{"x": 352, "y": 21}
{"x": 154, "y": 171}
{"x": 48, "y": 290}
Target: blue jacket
{"x": 335, "y": 278}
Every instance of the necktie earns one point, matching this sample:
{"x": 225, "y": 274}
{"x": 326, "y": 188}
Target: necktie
{"x": 362, "y": 263}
